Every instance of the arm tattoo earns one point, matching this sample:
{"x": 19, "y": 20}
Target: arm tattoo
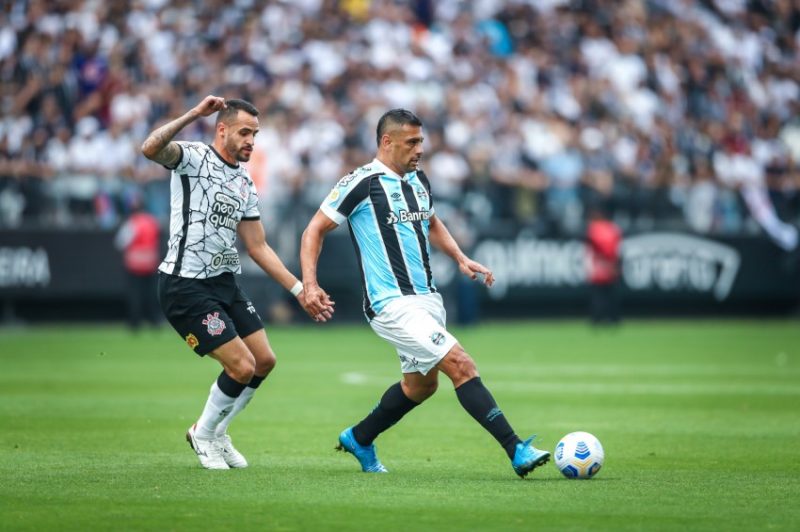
{"x": 159, "y": 147}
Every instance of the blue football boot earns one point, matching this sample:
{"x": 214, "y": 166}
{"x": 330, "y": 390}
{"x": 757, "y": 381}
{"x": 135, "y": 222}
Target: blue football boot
{"x": 365, "y": 454}
{"x": 527, "y": 458}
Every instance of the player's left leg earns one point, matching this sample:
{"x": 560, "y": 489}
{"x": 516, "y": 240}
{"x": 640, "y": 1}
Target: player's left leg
{"x": 238, "y": 366}
{"x": 258, "y": 345}
{"x": 251, "y": 330}
{"x": 476, "y": 399}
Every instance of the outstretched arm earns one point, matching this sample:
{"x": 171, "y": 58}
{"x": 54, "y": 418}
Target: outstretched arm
{"x": 310, "y": 248}
{"x": 443, "y": 240}
{"x": 252, "y": 234}
{"x": 158, "y": 146}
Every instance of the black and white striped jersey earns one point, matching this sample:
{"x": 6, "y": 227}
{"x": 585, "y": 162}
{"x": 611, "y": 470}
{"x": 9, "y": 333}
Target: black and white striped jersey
{"x": 209, "y": 197}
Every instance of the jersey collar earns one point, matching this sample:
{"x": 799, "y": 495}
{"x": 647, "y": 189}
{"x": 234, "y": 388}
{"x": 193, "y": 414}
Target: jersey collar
{"x": 388, "y": 171}
{"x": 221, "y": 159}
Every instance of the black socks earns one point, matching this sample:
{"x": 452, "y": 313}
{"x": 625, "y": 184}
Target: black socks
{"x": 472, "y": 395}
{"x": 393, "y": 405}
{"x": 229, "y": 386}
{"x": 256, "y": 381}
{"x": 480, "y": 404}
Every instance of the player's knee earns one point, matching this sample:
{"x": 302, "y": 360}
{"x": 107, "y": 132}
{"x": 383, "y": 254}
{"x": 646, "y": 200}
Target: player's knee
{"x": 464, "y": 367}
{"x": 265, "y": 364}
{"x": 427, "y": 389}
{"x": 243, "y": 369}
{"x": 468, "y": 368}
{"x": 420, "y": 391}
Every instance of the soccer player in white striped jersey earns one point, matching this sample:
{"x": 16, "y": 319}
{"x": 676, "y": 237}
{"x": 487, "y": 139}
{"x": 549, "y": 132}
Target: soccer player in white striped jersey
{"x": 213, "y": 201}
{"x": 389, "y": 207}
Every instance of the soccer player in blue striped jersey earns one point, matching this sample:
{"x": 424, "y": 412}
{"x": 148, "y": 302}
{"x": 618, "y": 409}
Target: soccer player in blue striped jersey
{"x": 390, "y": 212}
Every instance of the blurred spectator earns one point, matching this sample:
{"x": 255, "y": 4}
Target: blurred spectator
{"x": 603, "y": 240}
{"x": 138, "y": 238}
{"x": 670, "y": 111}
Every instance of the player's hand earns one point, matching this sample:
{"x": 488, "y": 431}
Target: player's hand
{"x": 316, "y": 302}
{"x": 476, "y": 271}
{"x": 210, "y": 105}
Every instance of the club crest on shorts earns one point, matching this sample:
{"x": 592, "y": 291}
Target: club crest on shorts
{"x": 437, "y": 338}
{"x": 192, "y": 341}
{"x": 214, "y": 324}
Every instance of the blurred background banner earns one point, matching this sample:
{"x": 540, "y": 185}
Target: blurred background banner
{"x": 63, "y": 264}
{"x": 677, "y": 121}
{"x": 45, "y": 274}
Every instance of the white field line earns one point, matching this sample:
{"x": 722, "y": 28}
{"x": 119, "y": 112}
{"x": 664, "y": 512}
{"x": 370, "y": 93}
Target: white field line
{"x": 582, "y": 386}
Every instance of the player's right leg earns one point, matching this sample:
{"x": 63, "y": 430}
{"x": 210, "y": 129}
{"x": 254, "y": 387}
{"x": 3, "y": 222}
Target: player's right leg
{"x": 395, "y": 403}
{"x": 196, "y": 309}
{"x": 400, "y": 324}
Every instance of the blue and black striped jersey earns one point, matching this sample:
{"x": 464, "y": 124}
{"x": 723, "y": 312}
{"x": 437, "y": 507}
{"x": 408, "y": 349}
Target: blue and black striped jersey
{"x": 388, "y": 217}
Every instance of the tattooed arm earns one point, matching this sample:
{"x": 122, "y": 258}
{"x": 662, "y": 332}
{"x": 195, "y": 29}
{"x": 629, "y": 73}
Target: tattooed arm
{"x": 159, "y": 147}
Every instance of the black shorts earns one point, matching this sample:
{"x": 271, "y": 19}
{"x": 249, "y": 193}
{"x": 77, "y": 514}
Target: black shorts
{"x": 207, "y": 312}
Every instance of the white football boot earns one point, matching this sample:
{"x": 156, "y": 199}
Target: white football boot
{"x": 231, "y": 456}
{"x": 209, "y": 452}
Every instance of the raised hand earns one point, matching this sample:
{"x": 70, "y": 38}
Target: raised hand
{"x": 210, "y": 105}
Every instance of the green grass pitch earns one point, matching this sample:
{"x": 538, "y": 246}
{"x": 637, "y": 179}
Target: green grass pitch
{"x": 700, "y": 421}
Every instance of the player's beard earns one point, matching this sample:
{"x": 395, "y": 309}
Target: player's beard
{"x": 244, "y": 156}
{"x": 239, "y": 153}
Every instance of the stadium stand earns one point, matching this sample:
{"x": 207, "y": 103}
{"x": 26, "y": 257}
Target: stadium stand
{"x": 670, "y": 113}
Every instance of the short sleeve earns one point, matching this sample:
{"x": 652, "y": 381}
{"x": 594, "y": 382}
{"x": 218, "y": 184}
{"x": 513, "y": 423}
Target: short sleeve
{"x": 348, "y": 193}
{"x": 251, "y": 211}
{"x": 192, "y": 154}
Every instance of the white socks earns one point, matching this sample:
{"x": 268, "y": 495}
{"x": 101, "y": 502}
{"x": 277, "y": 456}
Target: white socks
{"x": 238, "y": 406}
{"x": 218, "y": 406}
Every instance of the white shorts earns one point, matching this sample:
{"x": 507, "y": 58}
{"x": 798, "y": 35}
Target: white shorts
{"x": 415, "y": 325}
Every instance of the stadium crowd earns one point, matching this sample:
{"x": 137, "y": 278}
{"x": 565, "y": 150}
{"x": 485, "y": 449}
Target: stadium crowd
{"x": 669, "y": 113}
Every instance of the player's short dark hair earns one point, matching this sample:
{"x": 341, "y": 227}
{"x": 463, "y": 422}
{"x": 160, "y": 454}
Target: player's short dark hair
{"x": 396, "y": 117}
{"x": 232, "y": 108}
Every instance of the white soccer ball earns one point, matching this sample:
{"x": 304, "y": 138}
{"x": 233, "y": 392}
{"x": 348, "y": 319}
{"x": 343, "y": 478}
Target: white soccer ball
{"x": 579, "y": 455}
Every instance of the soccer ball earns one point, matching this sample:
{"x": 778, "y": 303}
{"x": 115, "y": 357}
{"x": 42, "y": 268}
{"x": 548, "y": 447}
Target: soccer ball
{"x": 579, "y": 455}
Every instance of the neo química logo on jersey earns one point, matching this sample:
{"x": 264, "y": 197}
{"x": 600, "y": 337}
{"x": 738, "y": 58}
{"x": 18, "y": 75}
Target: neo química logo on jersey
{"x": 223, "y": 211}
